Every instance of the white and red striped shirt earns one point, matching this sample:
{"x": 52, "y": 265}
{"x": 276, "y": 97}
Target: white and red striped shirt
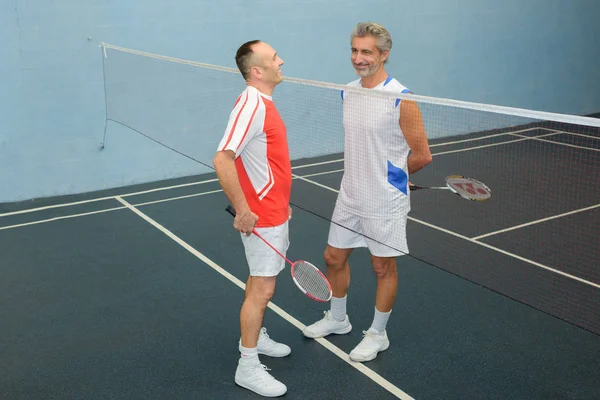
{"x": 257, "y": 135}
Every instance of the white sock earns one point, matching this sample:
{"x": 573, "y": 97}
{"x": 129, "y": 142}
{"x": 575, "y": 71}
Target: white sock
{"x": 380, "y": 320}
{"x": 248, "y": 354}
{"x": 338, "y": 308}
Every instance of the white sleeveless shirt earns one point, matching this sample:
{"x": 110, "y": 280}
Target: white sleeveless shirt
{"x": 375, "y": 181}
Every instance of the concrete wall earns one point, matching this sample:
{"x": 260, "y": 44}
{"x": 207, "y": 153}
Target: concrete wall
{"x": 532, "y": 54}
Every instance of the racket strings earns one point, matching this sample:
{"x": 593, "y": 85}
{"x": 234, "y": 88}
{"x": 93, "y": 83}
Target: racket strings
{"x": 311, "y": 280}
{"x": 469, "y": 188}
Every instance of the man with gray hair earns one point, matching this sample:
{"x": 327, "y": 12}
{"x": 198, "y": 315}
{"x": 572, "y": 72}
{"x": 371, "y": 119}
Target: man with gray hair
{"x": 385, "y": 142}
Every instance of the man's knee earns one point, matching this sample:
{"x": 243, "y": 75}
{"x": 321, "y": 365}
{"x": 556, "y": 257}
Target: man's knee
{"x": 384, "y": 267}
{"x": 336, "y": 258}
{"x": 262, "y": 289}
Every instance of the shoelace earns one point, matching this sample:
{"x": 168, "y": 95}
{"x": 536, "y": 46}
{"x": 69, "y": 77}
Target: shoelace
{"x": 263, "y": 331}
{"x": 264, "y": 377}
{"x": 266, "y": 341}
{"x": 371, "y": 335}
{"x": 328, "y": 317}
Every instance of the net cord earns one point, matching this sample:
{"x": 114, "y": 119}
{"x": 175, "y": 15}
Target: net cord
{"x": 519, "y": 112}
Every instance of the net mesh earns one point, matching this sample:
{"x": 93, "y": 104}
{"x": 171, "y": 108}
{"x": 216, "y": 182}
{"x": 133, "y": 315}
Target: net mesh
{"x": 535, "y": 240}
{"x": 308, "y": 278}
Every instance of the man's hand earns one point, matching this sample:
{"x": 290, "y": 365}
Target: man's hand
{"x": 245, "y": 221}
{"x": 289, "y": 212}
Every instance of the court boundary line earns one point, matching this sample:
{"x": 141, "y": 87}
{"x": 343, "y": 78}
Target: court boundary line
{"x": 572, "y": 133}
{"x": 512, "y": 228}
{"x": 61, "y": 217}
{"x": 374, "y": 376}
{"x": 481, "y": 137}
{"x": 458, "y": 235}
{"x": 106, "y": 198}
{"x": 146, "y": 203}
{"x": 553, "y": 142}
{"x": 305, "y": 178}
{"x": 163, "y": 188}
{"x": 139, "y": 193}
{"x": 523, "y": 138}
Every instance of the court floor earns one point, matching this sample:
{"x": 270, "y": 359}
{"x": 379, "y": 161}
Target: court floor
{"x": 134, "y": 293}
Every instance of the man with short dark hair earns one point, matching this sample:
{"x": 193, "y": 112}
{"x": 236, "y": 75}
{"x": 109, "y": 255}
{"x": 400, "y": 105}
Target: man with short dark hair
{"x": 254, "y": 169}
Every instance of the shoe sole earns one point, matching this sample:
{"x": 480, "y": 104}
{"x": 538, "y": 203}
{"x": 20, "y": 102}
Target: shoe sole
{"x": 342, "y": 332}
{"x": 273, "y": 355}
{"x": 384, "y": 348}
{"x": 260, "y": 394}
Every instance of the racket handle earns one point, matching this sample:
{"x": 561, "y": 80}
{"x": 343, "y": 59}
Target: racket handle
{"x": 230, "y": 210}
{"x": 427, "y": 187}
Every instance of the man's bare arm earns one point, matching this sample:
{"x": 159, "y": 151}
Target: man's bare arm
{"x": 224, "y": 163}
{"x": 411, "y": 124}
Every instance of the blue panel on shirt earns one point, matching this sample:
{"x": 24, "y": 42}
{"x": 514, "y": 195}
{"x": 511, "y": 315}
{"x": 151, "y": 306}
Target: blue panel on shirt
{"x": 398, "y": 100}
{"x": 398, "y": 178}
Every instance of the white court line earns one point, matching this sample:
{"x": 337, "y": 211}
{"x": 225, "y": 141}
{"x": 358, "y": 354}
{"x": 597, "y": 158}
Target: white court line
{"x": 569, "y": 133}
{"x": 136, "y": 205}
{"x": 318, "y": 173}
{"x": 523, "y": 138}
{"x": 106, "y": 198}
{"x": 381, "y": 381}
{"x": 188, "y": 196}
{"x": 42, "y": 221}
{"x": 480, "y": 138}
{"x": 296, "y": 167}
{"x": 553, "y": 142}
{"x": 495, "y": 144}
{"x": 304, "y": 178}
{"x": 317, "y": 164}
{"x": 468, "y": 239}
{"x": 535, "y": 222}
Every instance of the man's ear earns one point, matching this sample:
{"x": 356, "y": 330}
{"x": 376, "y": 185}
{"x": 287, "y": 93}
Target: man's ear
{"x": 256, "y": 72}
{"x": 385, "y": 55}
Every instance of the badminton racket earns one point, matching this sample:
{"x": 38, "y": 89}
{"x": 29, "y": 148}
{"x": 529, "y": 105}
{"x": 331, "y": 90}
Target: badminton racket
{"x": 308, "y": 278}
{"x": 467, "y": 188}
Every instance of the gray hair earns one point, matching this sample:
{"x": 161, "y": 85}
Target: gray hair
{"x": 382, "y": 36}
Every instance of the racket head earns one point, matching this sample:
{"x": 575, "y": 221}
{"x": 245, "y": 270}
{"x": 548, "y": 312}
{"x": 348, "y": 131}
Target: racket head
{"x": 468, "y": 188}
{"x": 311, "y": 281}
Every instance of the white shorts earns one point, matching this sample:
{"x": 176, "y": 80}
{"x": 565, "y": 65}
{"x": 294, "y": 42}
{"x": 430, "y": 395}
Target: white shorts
{"x": 383, "y": 237}
{"x": 263, "y": 260}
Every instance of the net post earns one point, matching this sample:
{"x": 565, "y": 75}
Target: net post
{"x": 104, "y": 56}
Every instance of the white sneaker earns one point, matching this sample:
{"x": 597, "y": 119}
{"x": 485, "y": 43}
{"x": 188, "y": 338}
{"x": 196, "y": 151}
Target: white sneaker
{"x": 268, "y": 346}
{"x": 253, "y": 375}
{"x": 372, "y": 343}
{"x": 327, "y": 326}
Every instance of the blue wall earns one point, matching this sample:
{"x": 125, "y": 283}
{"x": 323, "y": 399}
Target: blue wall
{"x": 532, "y": 54}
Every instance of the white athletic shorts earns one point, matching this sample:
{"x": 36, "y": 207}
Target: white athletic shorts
{"x": 263, "y": 260}
{"x": 383, "y": 237}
